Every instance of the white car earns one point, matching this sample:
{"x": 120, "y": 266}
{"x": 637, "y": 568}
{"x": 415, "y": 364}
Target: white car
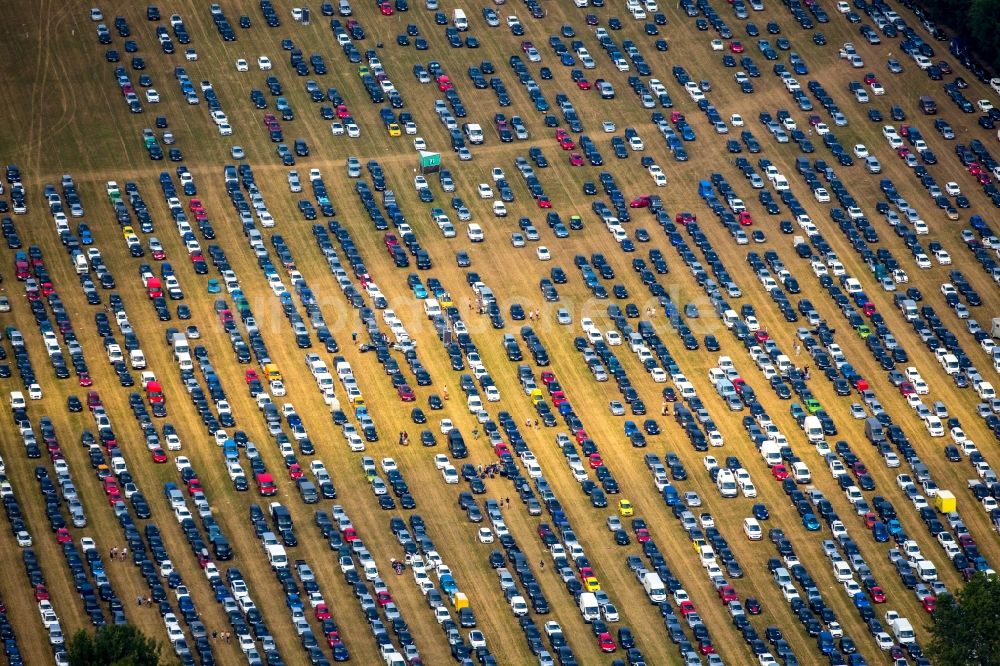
{"x": 822, "y": 196}
{"x": 263, "y": 63}
{"x": 942, "y": 257}
{"x": 952, "y": 188}
{"x": 485, "y": 191}
{"x": 608, "y": 127}
{"x": 485, "y": 535}
{"x": 736, "y": 120}
{"x": 152, "y": 96}
{"x": 441, "y": 461}
{"x": 860, "y": 151}
{"x": 543, "y": 253}
{"x": 984, "y": 105}
{"x": 717, "y": 45}
{"x": 877, "y": 88}
{"x": 242, "y": 65}
{"x": 419, "y": 143}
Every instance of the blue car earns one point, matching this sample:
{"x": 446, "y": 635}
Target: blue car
{"x": 810, "y": 522}
{"x": 880, "y": 532}
{"x": 760, "y": 512}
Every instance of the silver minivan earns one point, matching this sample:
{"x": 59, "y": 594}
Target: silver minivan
{"x": 873, "y": 165}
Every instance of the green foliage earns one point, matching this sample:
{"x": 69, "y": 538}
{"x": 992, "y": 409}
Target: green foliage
{"x": 976, "y": 21}
{"x": 966, "y": 627}
{"x": 113, "y": 645}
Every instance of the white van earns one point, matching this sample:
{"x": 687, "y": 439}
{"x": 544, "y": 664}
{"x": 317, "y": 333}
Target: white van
{"x": 726, "y": 483}
{"x": 432, "y": 308}
{"x": 813, "y": 429}
{"x": 277, "y": 557}
{"x": 752, "y": 529}
{"x": 653, "y": 586}
{"x": 589, "y": 609}
{"x": 17, "y": 400}
{"x": 927, "y": 571}
{"x": 81, "y": 265}
{"x": 475, "y": 233}
{"x": 986, "y": 391}
{"x": 137, "y": 359}
{"x": 459, "y": 20}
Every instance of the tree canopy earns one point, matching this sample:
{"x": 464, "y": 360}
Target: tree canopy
{"x": 966, "y": 626}
{"x": 113, "y": 645}
{"x": 977, "y": 21}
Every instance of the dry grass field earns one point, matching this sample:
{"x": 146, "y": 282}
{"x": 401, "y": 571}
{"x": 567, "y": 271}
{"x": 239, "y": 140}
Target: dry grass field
{"x": 64, "y": 115}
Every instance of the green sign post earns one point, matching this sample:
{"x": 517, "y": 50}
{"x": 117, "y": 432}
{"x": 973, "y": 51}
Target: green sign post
{"x": 429, "y": 162}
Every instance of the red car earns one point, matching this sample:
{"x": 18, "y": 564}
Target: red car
{"x": 868, "y": 308}
{"x": 322, "y": 612}
{"x": 342, "y": 111}
{"x": 736, "y": 46}
{"x": 566, "y": 143}
{"x": 583, "y": 84}
{"x": 349, "y": 534}
{"x": 501, "y": 450}
{"x": 780, "y": 472}
{"x": 870, "y": 78}
{"x": 295, "y": 471}
{"x": 544, "y": 202}
{"x": 63, "y": 535}
{"x": 686, "y": 607}
{"x": 727, "y": 593}
{"x": 251, "y": 376}
{"x": 752, "y": 606}
{"x": 642, "y": 535}
{"x": 929, "y": 603}
{"x": 595, "y": 460}
{"x": 384, "y": 598}
{"x": 41, "y": 592}
{"x": 878, "y": 596}
{"x": 744, "y": 218}
{"x": 640, "y": 202}
{"x": 761, "y": 336}
{"x": 676, "y": 116}
{"x": 548, "y": 377}
{"x": 406, "y": 393}
{"x": 159, "y": 455}
{"x": 576, "y": 159}
{"x": 385, "y": 8}
{"x": 906, "y": 388}
{"x": 606, "y": 642}
{"x": 84, "y": 378}
{"x": 333, "y": 639}
{"x": 685, "y": 218}
{"x": 870, "y": 519}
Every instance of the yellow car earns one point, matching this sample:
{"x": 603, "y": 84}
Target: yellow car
{"x": 363, "y": 70}
{"x": 625, "y": 508}
{"x": 591, "y": 584}
{"x": 128, "y": 231}
{"x": 536, "y": 396}
{"x": 393, "y": 129}
{"x": 698, "y": 543}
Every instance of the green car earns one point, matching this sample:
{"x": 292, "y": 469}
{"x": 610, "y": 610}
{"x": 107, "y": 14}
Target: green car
{"x": 812, "y": 405}
{"x": 864, "y": 331}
